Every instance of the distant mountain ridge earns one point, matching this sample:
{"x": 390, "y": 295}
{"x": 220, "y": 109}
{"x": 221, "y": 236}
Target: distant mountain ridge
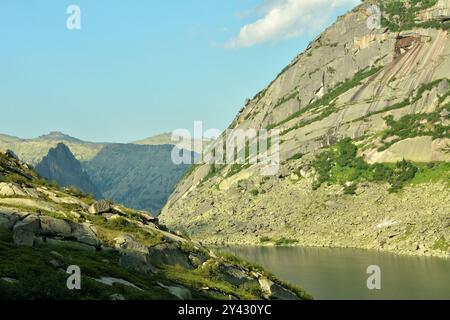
{"x": 166, "y": 138}
{"x": 141, "y": 176}
{"x": 59, "y": 136}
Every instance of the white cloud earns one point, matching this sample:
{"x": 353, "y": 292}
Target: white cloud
{"x": 284, "y": 19}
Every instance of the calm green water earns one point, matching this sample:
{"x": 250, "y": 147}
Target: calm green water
{"x": 341, "y": 273}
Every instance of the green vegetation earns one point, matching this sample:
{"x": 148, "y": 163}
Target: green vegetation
{"x": 190, "y": 170}
{"x": 324, "y": 114}
{"x": 432, "y": 172}
{"x": 110, "y": 229}
{"x": 441, "y": 244}
{"x": 341, "y": 165}
{"x": 297, "y": 156}
{"x": 327, "y": 99}
{"x": 331, "y": 70}
{"x": 206, "y": 277}
{"x": 265, "y": 239}
{"x": 399, "y": 15}
{"x": 285, "y": 242}
{"x": 416, "y": 124}
{"x": 286, "y": 98}
{"x": 249, "y": 267}
{"x": 282, "y": 242}
{"x": 38, "y": 279}
{"x": 236, "y": 168}
{"x": 254, "y": 192}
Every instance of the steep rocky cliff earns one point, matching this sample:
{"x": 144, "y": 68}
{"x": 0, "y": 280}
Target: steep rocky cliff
{"x": 385, "y": 93}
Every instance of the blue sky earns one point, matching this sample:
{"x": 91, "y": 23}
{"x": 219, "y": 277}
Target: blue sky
{"x": 143, "y": 67}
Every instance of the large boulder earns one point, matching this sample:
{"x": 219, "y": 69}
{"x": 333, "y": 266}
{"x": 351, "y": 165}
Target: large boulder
{"x": 84, "y": 233}
{"x": 127, "y": 243}
{"x": 99, "y": 207}
{"x": 168, "y": 254}
{"x": 24, "y": 231}
{"x": 11, "y": 190}
{"x": 54, "y": 227}
{"x": 8, "y": 219}
{"x": 30, "y": 223}
{"x": 234, "y": 275}
{"x": 275, "y": 291}
{"x": 23, "y": 238}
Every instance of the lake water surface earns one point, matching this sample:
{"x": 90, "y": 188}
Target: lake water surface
{"x": 341, "y": 273}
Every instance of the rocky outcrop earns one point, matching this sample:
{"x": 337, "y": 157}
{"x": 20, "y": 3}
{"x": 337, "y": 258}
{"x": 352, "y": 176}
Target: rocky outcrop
{"x": 99, "y": 207}
{"x": 275, "y": 291}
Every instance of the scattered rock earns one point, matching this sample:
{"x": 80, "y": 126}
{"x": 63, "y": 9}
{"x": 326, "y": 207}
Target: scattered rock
{"x": 181, "y": 293}
{"x": 55, "y": 227}
{"x": 112, "y": 281}
{"x": 99, "y": 207}
{"x": 9, "y": 280}
{"x": 196, "y": 259}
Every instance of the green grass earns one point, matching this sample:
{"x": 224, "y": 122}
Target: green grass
{"x": 286, "y": 98}
{"x": 422, "y": 89}
{"x": 340, "y": 165}
{"x": 398, "y": 17}
{"x": 441, "y": 244}
{"x": 432, "y": 172}
{"x": 285, "y": 242}
{"x": 38, "y": 279}
{"x": 249, "y": 266}
{"x": 297, "y": 156}
{"x": 108, "y": 230}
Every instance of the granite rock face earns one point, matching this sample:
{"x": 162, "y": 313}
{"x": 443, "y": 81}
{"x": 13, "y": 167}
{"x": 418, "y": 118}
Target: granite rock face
{"x": 351, "y": 82}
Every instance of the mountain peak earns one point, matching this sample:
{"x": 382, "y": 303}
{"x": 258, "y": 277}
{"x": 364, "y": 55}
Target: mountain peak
{"x": 59, "y": 136}
{"x": 61, "y": 165}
